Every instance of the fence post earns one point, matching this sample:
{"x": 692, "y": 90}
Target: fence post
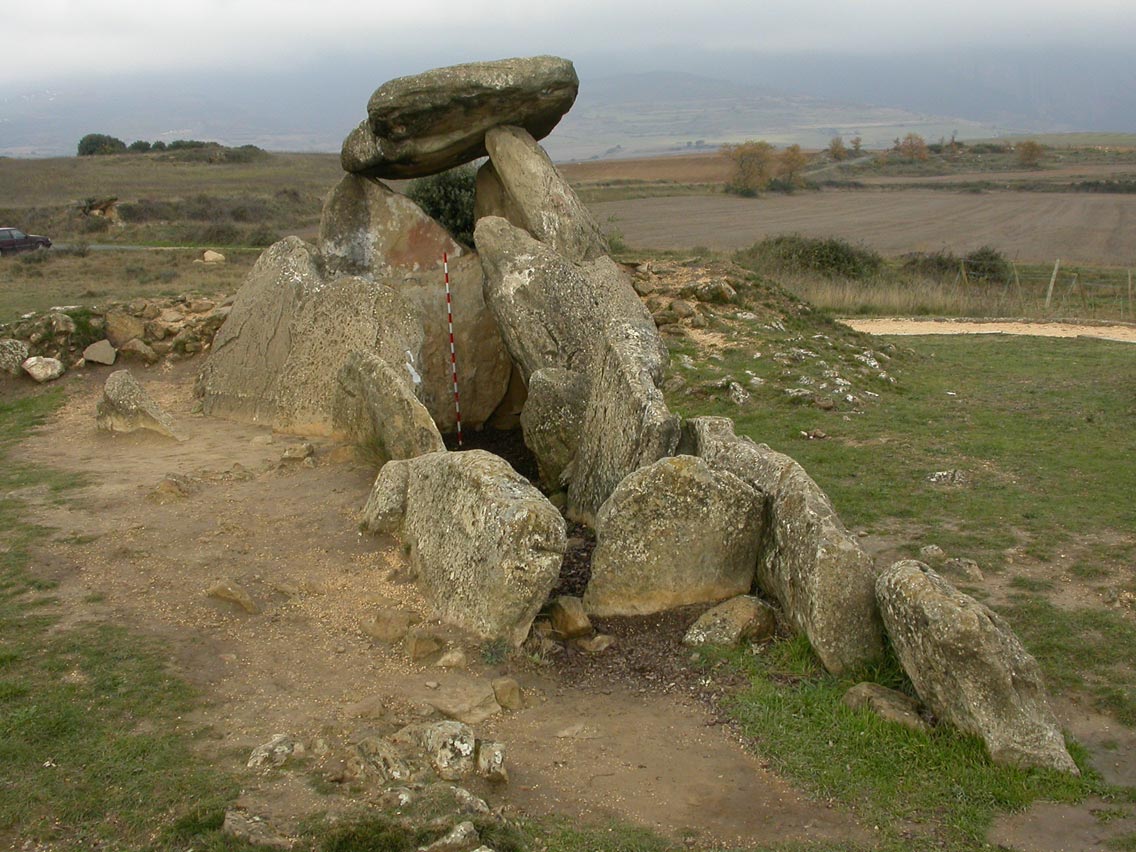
{"x": 1052, "y": 281}
{"x": 1131, "y": 307}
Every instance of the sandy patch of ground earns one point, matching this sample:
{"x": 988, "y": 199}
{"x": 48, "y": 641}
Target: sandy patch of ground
{"x": 1124, "y": 333}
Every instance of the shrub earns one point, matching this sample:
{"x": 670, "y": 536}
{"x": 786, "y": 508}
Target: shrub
{"x": 837, "y": 149}
{"x": 913, "y": 147}
{"x": 830, "y": 257}
{"x": 940, "y": 264}
{"x": 989, "y": 264}
{"x": 448, "y": 197}
{"x": 158, "y": 146}
{"x": 139, "y": 146}
{"x": 100, "y": 143}
{"x": 220, "y": 234}
{"x": 754, "y": 162}
{"x": 1029, "y": 153}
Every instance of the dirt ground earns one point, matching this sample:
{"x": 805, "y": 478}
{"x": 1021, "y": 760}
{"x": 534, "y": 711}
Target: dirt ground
{"x": 1027, "y": 226}
{"x": 1125, "y": 333}
{"x": 157, "y": 523}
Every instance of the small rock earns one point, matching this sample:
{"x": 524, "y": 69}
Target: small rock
{"x": 101, "y": 352}
{"x": 253, "y": 829}
{"x": 947, "y": 477}
{"x": 462, "y": 838}
{"x": 298, "y": 452}
{"x": 136, "y": 348}
{"x": 594, "y": 644}
{"x": 172, "y": 488}
{"x": 682, "y": 309}
{"x": 468, "y": 803}
{"x": 508, "y": 693}
{"x": 471, "y": 705}
{"x": 43, "y": 369}
{"x": 380, "y": 758}
{"x": 390, "y": 625}
{"x": 742, "y": 618}
{"x": 233, "y": 593}
{"x": 491, "y": 762}
{"x": 825, "y": 403}
{"x": 932, "y": 554}
{"x": 967, "y": 569}
{"x": 815, "y": 435}
{"x": 450, "y": 747}
{"x": 126, "y": 407}
{"x": 452, "y": 659}
{"x": 275, "y": 752}
{"x": 738, "y": 394}
{"x": 422, "y": 643}
{"x": 888, "y": 704}
{"x": 210, "y": 256}
{"x": 568, "y": 618}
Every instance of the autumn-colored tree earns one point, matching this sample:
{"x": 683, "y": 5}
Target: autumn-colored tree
{"x": 1029, "y": 153}
{"x": 913, "y": 147}
{"x": 753, "y": 162}
{"x": 790, "y": 163}
{"x": 857, "y": 143}
{"x": 836, "y": 149}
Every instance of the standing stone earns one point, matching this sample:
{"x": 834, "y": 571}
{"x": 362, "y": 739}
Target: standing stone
{"x": 969, "y": 668}
{"x": 100, "y": 352}
{"x": 485, "y": 545}
{"x": 674, "y": 533}
{"x": 126, "y": 407}
{"x": 13, "y": 354}
{"x": 430, "y": 122}
{"x": 552, "y": 312}
{"x": 43, "y": 369}
{"x": 626, "y": 423}
{"x": 551, "y": 420}
{"x": 541, "y": 200}
{"x": 808, "y": 564}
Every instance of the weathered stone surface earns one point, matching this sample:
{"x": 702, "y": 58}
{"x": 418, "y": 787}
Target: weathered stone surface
{"x": 122, "y": 327}
{"x": 449, "y": 746}
{"x": 486, "y": 546}
{"x": 210, "y": 256}
{"x": 552, "y": 312}
{"x": 277, "y": 357}
{"x": 969, "y": 668}
{"x": 741, "y": 619}
{"x": 140, "y": 350}
{"x": 367, "y": 229}
{"x": 626, "y": 423}
{"x": 490, "y": 198}
{"x": 462, "y": 837}
{"x": 379, "y": 758}
{"x": 275, "y": 752}
{"x": 375, "y": 405}
{"x": 471, "y": 705}
{"x": 431, "y": 122}
{"x": 389, "y": 625}
{"x": 568, "y": 618}
{"x": 231, "y": 592}
{"x": 508, "y": 693}
{"x": 43, "y": 369}
{"x": 13, "y": 354}
{"x": 551, "y": 420}
{"x": 674, "y": 533}
{"x": 100, "y": 352}
{"x": 809, "y": 564}
{"x": 888, "y": 704}
{"x": 491, "y": 762}
{"x": 539, "y": 199}
{"x": 126, "y": 407}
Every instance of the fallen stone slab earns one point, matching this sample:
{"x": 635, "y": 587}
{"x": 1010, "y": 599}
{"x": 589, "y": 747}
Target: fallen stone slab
{"x": 742, "y": 619}
{"x": 43, "y": 369}
{"x": 126, "y": 407}
{"x": 486, "y": 546}
{"x": 808, "y": 563}
{"x": 427, "y": 123}
{"x": 674, "y": 533}
{"x": 969, "y": 668}
{"x": 539, "y": 199}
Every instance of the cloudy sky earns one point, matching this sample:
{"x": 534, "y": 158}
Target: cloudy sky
{"x": 59, "y": 40}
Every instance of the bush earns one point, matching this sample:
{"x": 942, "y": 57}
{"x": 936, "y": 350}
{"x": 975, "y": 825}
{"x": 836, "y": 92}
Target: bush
{"x": 139, "y": 146}
{"x": 100, "y": 143}
{"x": 989, "y": 264}
{"x": 754, "y": 163}
{"x": 830, "y": 257}
{"x": 940, "y": 264}
{"x": 448, "y": 197}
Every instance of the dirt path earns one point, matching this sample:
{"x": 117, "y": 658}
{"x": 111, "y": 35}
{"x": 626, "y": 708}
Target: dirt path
{"x": 157, "y": 523}
{"x": 1125, "y": 333}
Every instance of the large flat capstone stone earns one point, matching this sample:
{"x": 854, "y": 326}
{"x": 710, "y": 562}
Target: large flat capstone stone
{"x": 430, "y": 122}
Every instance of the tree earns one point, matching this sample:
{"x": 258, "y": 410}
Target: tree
{"x": 753, "y": 162}
{"x": 140, "y": 146}
{"x": 1029, "y": 153}
{"x": 857, "y": 143}
{"x": 791, "y": 163}
{"x": 448, "y": 197}
{"x": 836, "y": 149}
{"x": 99, "y": 143}
{"x": 913, "y": 147}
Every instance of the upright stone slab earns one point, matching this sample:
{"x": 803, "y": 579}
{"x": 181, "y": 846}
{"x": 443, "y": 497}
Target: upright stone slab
{"x": 538, "y": 198}
{"x": 552, "y": 312}
{"x": 808, "y": 562}
{"x": 626, "y": 423}
{"x": 674, "y": 533}
{"x": 430, "y": 122}
{"x": 485, "y": 544}
{"x": 969, "y": 667}
{"x": 551, "y": 421}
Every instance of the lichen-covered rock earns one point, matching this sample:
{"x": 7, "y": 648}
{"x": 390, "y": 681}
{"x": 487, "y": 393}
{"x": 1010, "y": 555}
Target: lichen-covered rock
{"x": 808, "y": 564}
{"x": 375, "y": 405}
{"x": 13, "y": 354}
{"x": 969, "y": 668}
{"x": 673, "y": 533}
{"x": 126, "y": 407}
{"x": 626, "y": 423}
{"x": 550, "y": 311}
{"x": 485, "y": 544}
{"x": 538, "y": 198}
{"x": 551, "y": 420}
{"x": 43, "y": 369}
{"x": 741, "y": 619}
{"x": 431, "y": 122}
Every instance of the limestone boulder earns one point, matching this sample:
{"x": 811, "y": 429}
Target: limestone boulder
{"x": 122, "y": 327}
{"x": 276, "y": 359}
{"x": 969, "y": 668}
{"x": 808, "y": 563}
{"x": 888, "y": 704}
{"x": 626, "y": 422}
{"x": 13, "y": 354}
{"x": 552, "y": 312}
{"x": 744, "y": 618}
{"x": 43, "y": 369}
{"x": 551, "y": 420}
{"x": 674, "y": 533}
{"x": 375, "y": 405}
{"x": 430, "y": 122}
{"x": 126, "y": 407}
{"x": 485, "y": 545}
{"x": 100, "y": 352}
{"x": 539, "y": 199}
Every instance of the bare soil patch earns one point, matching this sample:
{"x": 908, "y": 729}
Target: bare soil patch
{"x": 1125, "y": 333}
{"x": 626, "y": 735}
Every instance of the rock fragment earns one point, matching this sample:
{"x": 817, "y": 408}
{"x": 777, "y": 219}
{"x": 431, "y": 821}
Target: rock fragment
{"x": 744, "y": 618}
{"x": 126, "y": 407}
{"x": 43, "y": 369}
{"x": 100, "y": 352}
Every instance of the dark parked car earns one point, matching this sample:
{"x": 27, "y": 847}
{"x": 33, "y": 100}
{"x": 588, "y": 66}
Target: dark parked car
{"x": 13, "y": 240}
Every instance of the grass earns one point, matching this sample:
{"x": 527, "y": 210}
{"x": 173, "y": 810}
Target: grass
{"x": 93, "y": 749}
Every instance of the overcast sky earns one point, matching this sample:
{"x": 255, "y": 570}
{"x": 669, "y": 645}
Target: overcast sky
{"x": 57, "y": 40}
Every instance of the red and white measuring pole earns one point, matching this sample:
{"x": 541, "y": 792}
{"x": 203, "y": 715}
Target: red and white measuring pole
{"x": 453, "y": 352}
